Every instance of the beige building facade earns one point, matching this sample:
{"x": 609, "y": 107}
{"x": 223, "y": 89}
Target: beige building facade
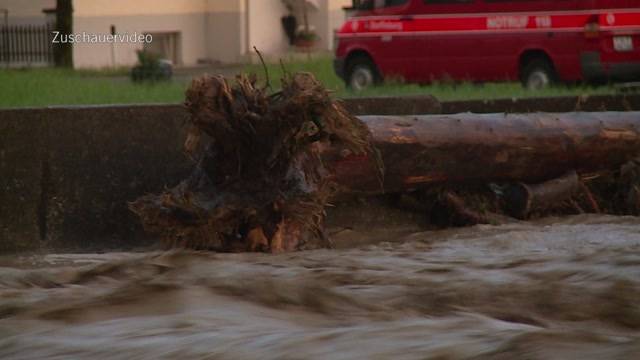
{"x": 187, "y": 32}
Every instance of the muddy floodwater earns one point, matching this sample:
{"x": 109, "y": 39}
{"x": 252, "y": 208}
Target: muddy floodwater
{"x": 559, "y": 288}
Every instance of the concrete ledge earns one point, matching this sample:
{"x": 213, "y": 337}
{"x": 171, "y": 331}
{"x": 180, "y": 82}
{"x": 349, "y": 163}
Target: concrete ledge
{"x": 68, "y": 172}
{"x": 405, "y": 105}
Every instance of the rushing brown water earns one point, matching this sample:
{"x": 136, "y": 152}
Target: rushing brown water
{"x": 555, "y": 289}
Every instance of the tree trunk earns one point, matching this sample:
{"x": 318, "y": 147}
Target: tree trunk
{"x": 417, "y": 151}
{"x": 63, "y": 52}
{"x": 522, "y": 199}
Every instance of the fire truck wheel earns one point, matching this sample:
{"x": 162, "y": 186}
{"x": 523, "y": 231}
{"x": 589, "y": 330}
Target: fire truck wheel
{"x": 538, "y": 74}
{"x": 362, "y": 74}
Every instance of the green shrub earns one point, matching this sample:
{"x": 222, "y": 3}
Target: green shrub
{"x": 151, "y": 68}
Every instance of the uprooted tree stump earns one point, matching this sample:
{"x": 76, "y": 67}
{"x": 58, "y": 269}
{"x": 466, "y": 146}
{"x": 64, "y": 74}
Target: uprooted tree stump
{"x": 259, "y": 183}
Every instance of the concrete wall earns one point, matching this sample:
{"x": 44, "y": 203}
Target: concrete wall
{"x": 67, "y": 174}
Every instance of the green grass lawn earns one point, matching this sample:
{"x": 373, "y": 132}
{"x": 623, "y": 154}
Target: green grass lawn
{"x": 49, "y": 87}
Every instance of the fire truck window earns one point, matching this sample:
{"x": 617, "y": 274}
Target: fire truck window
{"x": 448, "y": 1}
{"x": 390, "y": 3}
{"x": 363, "y": 4}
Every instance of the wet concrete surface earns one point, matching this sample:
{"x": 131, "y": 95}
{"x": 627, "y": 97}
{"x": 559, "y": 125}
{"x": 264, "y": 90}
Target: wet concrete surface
{"x": 559, "y": 288}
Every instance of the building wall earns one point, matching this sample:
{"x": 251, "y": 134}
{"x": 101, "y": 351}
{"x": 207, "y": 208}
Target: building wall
{"x": 332, "y": 16}
{"x": 260, "y": 26}
{"x": 191, "y": 29}
{"x": 225, "y": 37}
{"x": 325, "y": 19}
{"x": 265, "y": 28}
{"x": 23, "y": 12}
{"x": 137, "y": 7}
{"x": 319, "y": 22}
{"x": 186, "y": 17}
{"x": 210, "y": 30}
{"x": 336, "y": 17}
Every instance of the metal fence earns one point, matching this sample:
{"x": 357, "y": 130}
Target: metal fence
{"x": 26, "y": 44}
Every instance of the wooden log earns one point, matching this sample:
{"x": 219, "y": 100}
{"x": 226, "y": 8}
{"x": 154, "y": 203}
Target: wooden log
{"x": 522, "y": 199}
{"x": 418, "y": 151}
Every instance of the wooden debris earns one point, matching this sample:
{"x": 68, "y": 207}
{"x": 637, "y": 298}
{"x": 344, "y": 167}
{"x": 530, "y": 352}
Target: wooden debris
{"x": 268, "y": 164}
{"x": 522, "y": 199}
{"x": 420, "y": 151}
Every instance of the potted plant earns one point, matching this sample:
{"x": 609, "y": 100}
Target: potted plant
{"x": 306, "y": 39}
{"x": 151, "y": 67}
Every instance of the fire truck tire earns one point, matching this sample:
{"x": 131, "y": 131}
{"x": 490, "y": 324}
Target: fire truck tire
{"x": 538, "y": 74}
{"x": 361, "y": 74}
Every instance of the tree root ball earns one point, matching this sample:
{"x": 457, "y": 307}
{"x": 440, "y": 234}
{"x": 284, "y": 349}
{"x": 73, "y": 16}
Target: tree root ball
{"x": 259, "y": 183}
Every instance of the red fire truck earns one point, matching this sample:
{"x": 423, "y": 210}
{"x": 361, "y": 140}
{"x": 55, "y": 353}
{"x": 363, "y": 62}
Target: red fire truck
{"x": 534, "y": 41}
